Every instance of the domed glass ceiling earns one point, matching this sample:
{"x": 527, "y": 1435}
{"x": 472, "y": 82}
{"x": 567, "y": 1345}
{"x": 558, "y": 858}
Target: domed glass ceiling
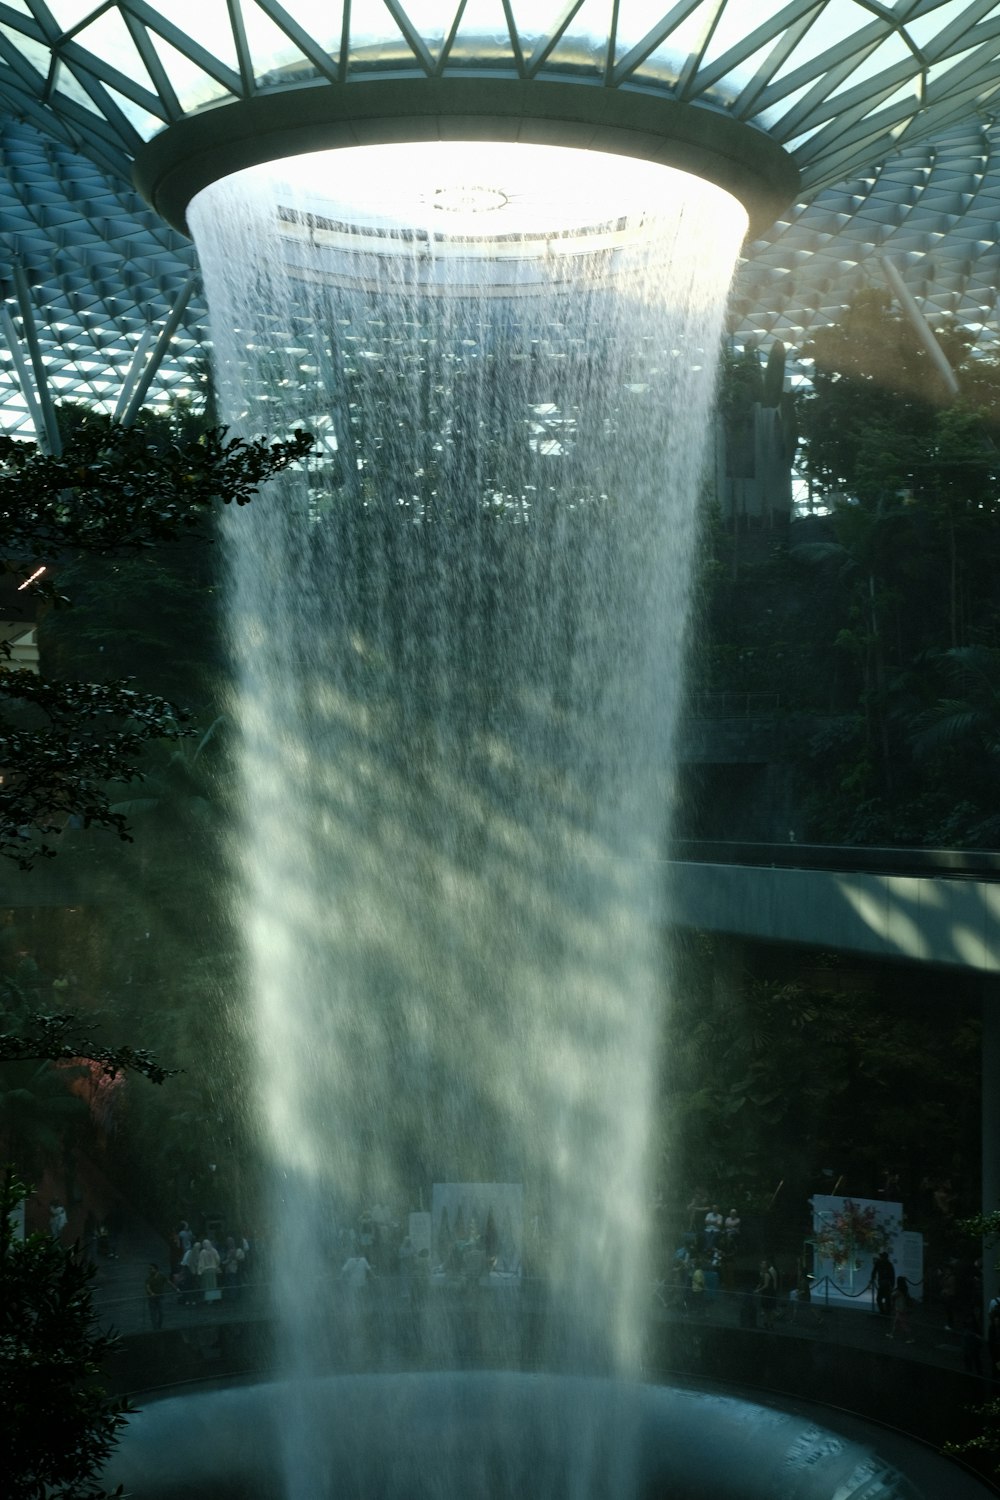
{"x": 933, "y": 209}
{"x": 82, "y": 86}
{"x": 838, "y": 83}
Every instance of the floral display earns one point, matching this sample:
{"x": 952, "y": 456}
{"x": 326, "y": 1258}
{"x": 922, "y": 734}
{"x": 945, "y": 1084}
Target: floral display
{"x": 850, "y": 1231}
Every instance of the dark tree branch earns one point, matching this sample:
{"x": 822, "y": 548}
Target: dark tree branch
{"x": 65, "y": 1036}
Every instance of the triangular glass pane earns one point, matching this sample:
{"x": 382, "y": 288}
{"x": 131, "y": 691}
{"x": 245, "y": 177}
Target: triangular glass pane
{"x": 207, "y": 23}
{"x": 70, "y": 87}
{"x": 583, "y": 48}
{"x": 431, "y": 21}
{"x": 192, "y": 85}
{"x": 377, "y": 41}
{"x": 140, "y": 119}
{"x": 749, "y": 45}
{"x": 66, "y": 13}
{"x": 372, "y": 23}
{"x": 774, "y": 113}
{"x": 536, "y": 20}
{"x": 35, "y": 52}
{"x": 741, "y": 73}
{"x": 832, "y": 26}
{"x": 109, "y": 40}
{"x": 636, "y": 18}
{"x": 925, "y": 28}
{"x": 667, "y": 62}
{"x": 273, "y": 54}
{"x": 325, "y": 30}
{"x": 483, "y": 35}
{"x": 891, "y": 51}
{"x": 955, "y": 63}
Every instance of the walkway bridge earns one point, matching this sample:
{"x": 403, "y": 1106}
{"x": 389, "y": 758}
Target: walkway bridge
{"x": 931, "y": 906}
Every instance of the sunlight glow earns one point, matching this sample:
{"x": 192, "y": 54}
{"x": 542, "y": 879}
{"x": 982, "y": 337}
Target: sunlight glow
{"x": 479, "y": 191}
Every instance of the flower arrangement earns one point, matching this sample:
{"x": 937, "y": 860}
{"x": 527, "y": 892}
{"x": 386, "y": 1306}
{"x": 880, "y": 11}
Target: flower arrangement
{"x": 850, "y": 1231}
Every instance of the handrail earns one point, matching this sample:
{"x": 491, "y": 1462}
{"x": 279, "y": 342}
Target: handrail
{"x": 939, "y": 864}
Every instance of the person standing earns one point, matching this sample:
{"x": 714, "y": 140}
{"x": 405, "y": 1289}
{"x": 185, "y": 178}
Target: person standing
{"x": 902, "y": 1303}
{"x": 157, "y": 1286}
{"x": 208, "y": 1271}
{"x": 188, "y": 1275}
{"x": 355, "y": 1272}
{"x": 883, "y": 1279}
{"x": 767, "y": 1292}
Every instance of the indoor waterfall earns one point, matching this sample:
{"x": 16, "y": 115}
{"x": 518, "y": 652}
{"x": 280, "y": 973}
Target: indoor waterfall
{"x": 458, "y": 638}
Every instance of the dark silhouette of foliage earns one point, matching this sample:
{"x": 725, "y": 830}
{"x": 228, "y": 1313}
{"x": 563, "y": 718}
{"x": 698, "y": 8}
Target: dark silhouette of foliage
{"x": 114, "y": 492}
{"x": 66, "y": 1037}
{"x": 60, "y": 1423}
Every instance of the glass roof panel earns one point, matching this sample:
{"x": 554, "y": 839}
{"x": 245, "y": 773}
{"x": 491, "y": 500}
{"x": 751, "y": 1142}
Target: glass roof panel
{"x": 667, "y": 61}
{"x": 108, "y": 38}
{"x": 322, "y": 25}
{"x": 924, "y": 28}
{"x": 371, "y": 22}
{"x": 275, "y": 56}
{"x": 733, "y": 28}
{"x": 34, "y": 52}
{"x": 892, "y": 50}
{"x": 635, "y": 19}
{"x": 430, "y": 19}
{"x": 827, "y": 33}
{"x": 743, "y": 71}
{"x": 67, "y": 12}
{"x": 192, "y": 85}
{"x": 536, "y": 20}
{"x": 584, "y": 46}
{"x": 207, "y": 23}
{"x": 67, "y": 83}
{"x": 772, "y": 115}
{"x": 141, "y": 119}
{"x": 482, "y": 34}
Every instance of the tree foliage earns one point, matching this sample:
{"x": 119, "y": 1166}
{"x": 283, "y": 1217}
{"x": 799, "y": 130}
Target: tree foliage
{"x": 772, "y": 1076}
{"x": 60, "y": 1423}
{"x": 67, "y": 1036}
{"x": 875, "y": 624}
{"x": 115, "y": 492}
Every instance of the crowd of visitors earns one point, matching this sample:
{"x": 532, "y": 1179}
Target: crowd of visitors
{"x": 201, "y": 1271}
{"x": 715, "y": 1256}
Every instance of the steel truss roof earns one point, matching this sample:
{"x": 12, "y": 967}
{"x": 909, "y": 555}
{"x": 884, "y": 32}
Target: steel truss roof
{"x": 933, "y": 208}
{"x": 894, "y": 98}
{"x": 838, "y": 83}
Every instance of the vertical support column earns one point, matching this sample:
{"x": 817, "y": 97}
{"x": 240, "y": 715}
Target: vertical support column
{"x": 921, "y": 327}
{"x": 991, "y": 1126}
{"x": 133, "y": 375}
{"x": 23, "y": 374}
{"x": 48, "y": 436}
{"x": 141, "y": 383}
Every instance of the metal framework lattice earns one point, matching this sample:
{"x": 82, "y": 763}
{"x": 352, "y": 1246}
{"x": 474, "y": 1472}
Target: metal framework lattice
{"x": 838, "y": 83}
{"x": 891, "y": 101}
{"x": 934, "y": 209}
